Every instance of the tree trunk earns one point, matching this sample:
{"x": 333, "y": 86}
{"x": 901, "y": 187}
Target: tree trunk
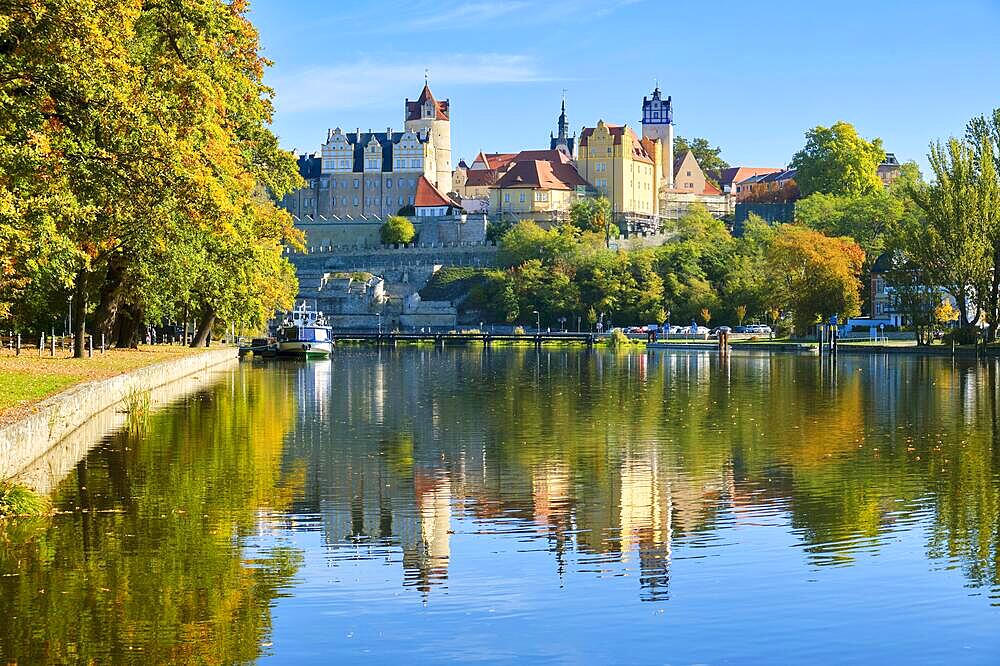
{"x": 109, "y": 301}
{"x": 204, "y": 327}
{"x": 80, "y": 314}
{"x": 128, "y": 322}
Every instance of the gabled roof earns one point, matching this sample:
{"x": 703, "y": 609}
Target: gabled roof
{"x": 494, "y": 160}
{"x": 429, "y": 196}
{"x": 541, "y": 174}
{"x": 737, "y": 174}
{"x": 413, "y": 108}
{"x": 618, "y": 134}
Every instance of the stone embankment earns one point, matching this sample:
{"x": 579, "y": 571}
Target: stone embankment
{"x": 91, "y": 409}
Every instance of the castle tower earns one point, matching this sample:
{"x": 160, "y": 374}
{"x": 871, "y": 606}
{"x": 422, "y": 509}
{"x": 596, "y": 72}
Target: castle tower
{"x": 431, "y": 115}
{"x": 658, "y": 123}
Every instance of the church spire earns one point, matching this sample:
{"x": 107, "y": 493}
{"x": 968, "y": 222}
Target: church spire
{"x": 563, "y": 122}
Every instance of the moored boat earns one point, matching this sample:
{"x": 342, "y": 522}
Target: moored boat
{"x": 304, "y": 334}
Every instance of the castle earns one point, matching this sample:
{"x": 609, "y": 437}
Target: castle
{"x": 375, "y": 174}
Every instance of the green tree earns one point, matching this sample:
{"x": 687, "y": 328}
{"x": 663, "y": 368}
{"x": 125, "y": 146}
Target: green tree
{"x": 952, "y": 243}
{"x": 397, "y": 231}
{"x": 836, "y": 160}
{"x": 591, "y": 214}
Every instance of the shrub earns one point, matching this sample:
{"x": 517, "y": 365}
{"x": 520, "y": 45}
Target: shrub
{"x": 618, "y": 339}
{"x": 519, "y": 330}
{"x": 397, "y": 231}
{"x": 19, "y": 501}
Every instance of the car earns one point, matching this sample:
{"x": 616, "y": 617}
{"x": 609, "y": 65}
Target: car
{"x": 741, "y": 329}
{"x": 696, "y": 330}
{"x": 759, "y": 329}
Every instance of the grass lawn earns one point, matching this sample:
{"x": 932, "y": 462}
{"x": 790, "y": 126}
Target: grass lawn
{"x": 29, "y": 378}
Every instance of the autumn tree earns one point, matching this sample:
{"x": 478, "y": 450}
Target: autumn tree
{"x": 134, "y": 138}
{"x": 814, "y": 276}
{"x": 836, "y": 160}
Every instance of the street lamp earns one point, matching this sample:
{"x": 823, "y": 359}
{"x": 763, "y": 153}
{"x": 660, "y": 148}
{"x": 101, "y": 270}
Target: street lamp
{"x": 538, "y": 321}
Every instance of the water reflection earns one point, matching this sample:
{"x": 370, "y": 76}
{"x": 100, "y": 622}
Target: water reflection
{"x": 585, "y": 486}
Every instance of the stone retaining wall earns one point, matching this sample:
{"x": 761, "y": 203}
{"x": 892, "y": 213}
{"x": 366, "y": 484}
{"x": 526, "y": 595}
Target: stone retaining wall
{"x": 25, "y": 442}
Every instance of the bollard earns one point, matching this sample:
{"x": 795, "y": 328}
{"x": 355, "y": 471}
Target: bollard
{"x": 52, "y": 345}
{"x": 41, "y": 343}
{"x": 90, "y": 346}
{"x": 18, "y": 352}
{"x": 102, "y": 343}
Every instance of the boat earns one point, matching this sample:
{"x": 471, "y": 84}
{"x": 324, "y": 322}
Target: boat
{"x": 304, "y": 334}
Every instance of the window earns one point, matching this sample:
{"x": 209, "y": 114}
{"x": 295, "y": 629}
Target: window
{"x": 343, "y": 201}
{"x": 541, "y": 196}
{"x": 324, "y": 183}
{"x": 355, "y": 201}
{"x": 522, "y": 197}
{"x": 416, "y": 164}
{"x": 333, "y": 184}
{"x": 689, "y": 174}
{"x": 344, "y": 164}
{"x": 609, "y": 150}
{"x": 356, "y": 183}
{"x": 413, "y": 182}
{"x": 506, "y": 197}
{"x": 411, "y": 199}
{"x": 312, "y": 184}
{"x": 400, "y": 182}
{"x": 400, "y": 201}
{"x": 388, "y": 183}
{"x": 308, "y": 203}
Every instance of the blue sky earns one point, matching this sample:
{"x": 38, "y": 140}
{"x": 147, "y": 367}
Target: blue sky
{"x": 751, "y": 77}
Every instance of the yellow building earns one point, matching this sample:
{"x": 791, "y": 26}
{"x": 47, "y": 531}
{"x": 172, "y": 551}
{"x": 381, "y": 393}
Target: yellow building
{"x": 539, "y": 186}
{"x": 622, "y": 167}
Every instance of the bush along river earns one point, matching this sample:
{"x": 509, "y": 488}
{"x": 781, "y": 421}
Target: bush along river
{"x": 433, "y": 505}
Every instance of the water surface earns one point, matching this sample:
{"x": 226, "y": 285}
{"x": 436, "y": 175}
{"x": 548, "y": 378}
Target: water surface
{"x": 437, "y": 505}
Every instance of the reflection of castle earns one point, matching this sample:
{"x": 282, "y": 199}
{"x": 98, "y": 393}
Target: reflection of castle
{"x": 384, "y": 492}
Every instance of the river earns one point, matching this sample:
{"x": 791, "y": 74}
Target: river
{"x": 427, "y": 505}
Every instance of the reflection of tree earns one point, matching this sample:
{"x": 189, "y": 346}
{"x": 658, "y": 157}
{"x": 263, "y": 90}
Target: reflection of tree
{"x": 619, "y": 457}
{"x": 150, "y": 562}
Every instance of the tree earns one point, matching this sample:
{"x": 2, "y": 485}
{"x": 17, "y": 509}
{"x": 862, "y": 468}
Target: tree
{"x": 706, "y": 315}
{"x": 592, "y": 214}
{"x": 397, "y": 231}
{"x": 953, "y": 242}
{"x": 983, "y": 135}
{"x": 836, "y": 160}
{"x": 135, "y": 138}
{"x": 864, "y": 217}
{"x": 814, "y": 276}
{"x": 741, "y": 313}
{"x": 709, "y": 158}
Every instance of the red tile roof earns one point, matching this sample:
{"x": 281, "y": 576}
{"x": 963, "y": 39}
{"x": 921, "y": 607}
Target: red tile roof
{"x": 541, "y": 174}
{"x": 428, "y": 195}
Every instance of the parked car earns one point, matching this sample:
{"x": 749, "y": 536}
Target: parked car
{"x": 741, "y": 329}
{"x": 759, "y": 329}
{"x": 696, "y": 330}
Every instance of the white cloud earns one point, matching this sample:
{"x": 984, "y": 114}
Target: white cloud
{"x": 368, "y": 83}
{"x": 466, "y": 14}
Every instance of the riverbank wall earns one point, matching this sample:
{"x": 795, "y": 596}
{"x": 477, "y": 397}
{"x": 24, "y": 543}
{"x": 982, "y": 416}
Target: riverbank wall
{"x": 70, "y": 421}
